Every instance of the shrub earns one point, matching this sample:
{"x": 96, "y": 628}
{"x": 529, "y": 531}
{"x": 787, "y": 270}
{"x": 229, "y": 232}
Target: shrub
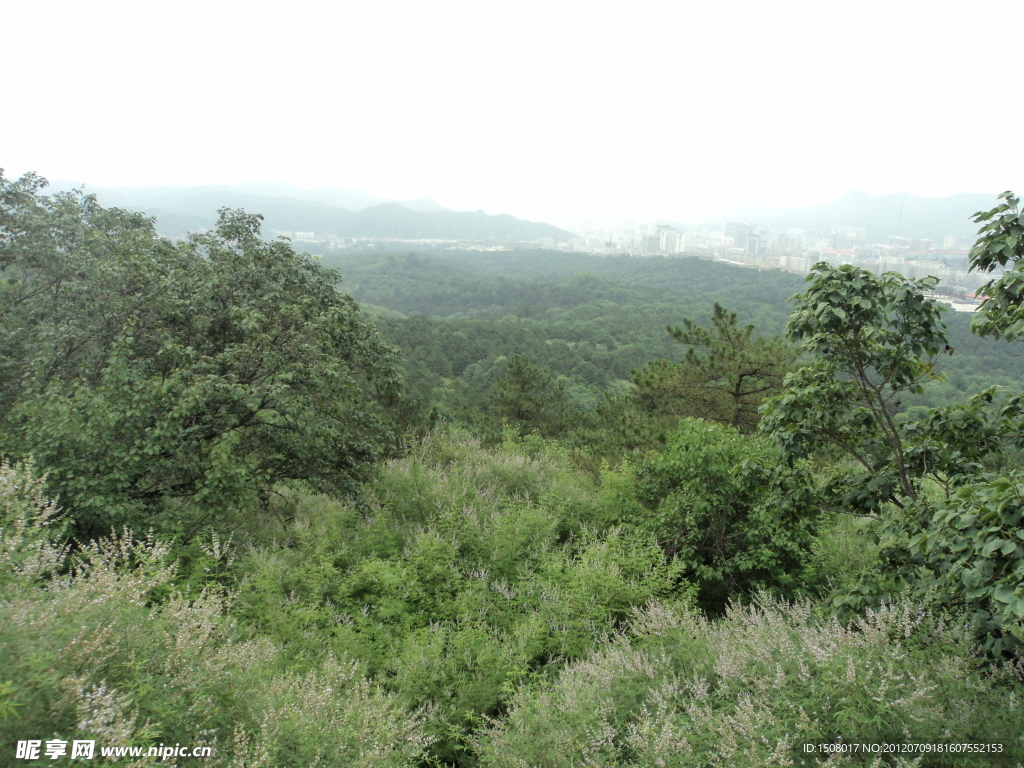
{"x": 722, "y": 503}
{"x": 749, "y": 689}
{"x": 88, "y": 654}
{"x": 470, "y": 571}
{"x": 972, "y": 546}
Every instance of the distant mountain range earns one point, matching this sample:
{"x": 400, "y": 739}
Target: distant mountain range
{"x": 880, "y": 215}
{"x": 329, "y": 211}
{"x": 343, "y": 212}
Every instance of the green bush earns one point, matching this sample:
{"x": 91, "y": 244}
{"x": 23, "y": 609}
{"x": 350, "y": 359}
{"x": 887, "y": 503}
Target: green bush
{"x": 470, "y": 571}
{"x": 751, "y": 688}
{"x": 973, "y": 545}
{"x": 87, "y": 653}
{"x": 721, "y": 503}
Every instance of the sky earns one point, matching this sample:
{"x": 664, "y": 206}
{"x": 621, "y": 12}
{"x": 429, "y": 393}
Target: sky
{"x": 556, "y": 111}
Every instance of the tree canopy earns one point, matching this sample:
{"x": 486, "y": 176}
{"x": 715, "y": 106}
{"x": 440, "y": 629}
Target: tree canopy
{"x": 531, "y": 399}
{"x": 1001, "y": 245}
{"x": 733, "y": 371}
{"x": 874, "y": 339}
{"x": 953, "y": 527}
{"x": 145, "y": 374}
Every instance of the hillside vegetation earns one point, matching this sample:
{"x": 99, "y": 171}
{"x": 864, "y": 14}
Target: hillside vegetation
{"x": 537, "y": 513}
{"x": 591, "y": 321}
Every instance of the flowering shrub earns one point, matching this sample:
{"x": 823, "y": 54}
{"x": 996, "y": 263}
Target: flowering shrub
{"x": 87, "y": 654}
{"x": 749, "y": 689}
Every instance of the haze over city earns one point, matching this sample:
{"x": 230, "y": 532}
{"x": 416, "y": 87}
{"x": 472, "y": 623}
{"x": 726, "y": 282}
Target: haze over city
{"x": 561, "y": 113}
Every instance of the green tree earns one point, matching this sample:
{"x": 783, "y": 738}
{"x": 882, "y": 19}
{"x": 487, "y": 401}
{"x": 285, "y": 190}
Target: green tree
{"x": 724, "y": 377}
{"x": 972, "y": 541}
{"x": 726, "y": 373}
{"x": 1000, "y": 245}
{"x": 148, "y": 376}
{"x": 717, "y": 500}
{"x": 874, "y": 339}
{"x": 530, "y": 398}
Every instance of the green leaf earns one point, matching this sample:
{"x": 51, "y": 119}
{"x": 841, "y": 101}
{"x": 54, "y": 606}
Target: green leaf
{"x": 1004, "y": 593}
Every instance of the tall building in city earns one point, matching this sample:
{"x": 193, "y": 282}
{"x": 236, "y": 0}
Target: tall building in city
{"x": 738, "y": 232}
{"x": 795, "y": 263}
{"x": 790, "y": 242}
{"x": 670, "y": 241}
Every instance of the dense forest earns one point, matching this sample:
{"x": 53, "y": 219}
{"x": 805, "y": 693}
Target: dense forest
{"x": 591, "y": 321}
{"x": 500, "y": 509}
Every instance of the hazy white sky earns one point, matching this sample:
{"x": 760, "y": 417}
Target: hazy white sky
{"x": 545, "y": 110}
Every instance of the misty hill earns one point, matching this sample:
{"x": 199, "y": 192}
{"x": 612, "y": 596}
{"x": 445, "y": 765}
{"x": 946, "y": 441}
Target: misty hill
{"x": 329, "y": 211}
{"x": 880, "y": 215}
{"x": 169, "y": 197}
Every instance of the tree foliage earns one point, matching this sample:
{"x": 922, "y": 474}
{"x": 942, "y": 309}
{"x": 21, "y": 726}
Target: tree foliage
{"x": 590, "y": 321}
{"x": 1000, "y": 245}
{"x": 972, "y": 540}
{"x": 476, "y": 571}
{"x": 724, "y": 376}
{"x": 717, "y": 501}
{"x": 530, "y": 398}
{"x": 729, "y": 370}
{"x": 98, "y": 654}
{"x": 874, "y": 339}
{"x": 973, "y": 545}
{"x": 476, "y": 605}
{"x": 138, "y": 371}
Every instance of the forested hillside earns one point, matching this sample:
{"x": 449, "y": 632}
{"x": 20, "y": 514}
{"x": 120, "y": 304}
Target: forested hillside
{"x": 591, "y": 320}
{"x": 500, "y": 510}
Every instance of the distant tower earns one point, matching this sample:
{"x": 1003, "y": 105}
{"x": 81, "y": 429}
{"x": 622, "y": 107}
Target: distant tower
{"x": 738, "y": 232}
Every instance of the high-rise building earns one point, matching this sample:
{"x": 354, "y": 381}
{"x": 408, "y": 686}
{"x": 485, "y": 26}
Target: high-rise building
{"x": 738, "y": 232}
{"x": 670, "y": 241}
{"x": 795, "y": 263}
{"x": 921, "y": 268}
